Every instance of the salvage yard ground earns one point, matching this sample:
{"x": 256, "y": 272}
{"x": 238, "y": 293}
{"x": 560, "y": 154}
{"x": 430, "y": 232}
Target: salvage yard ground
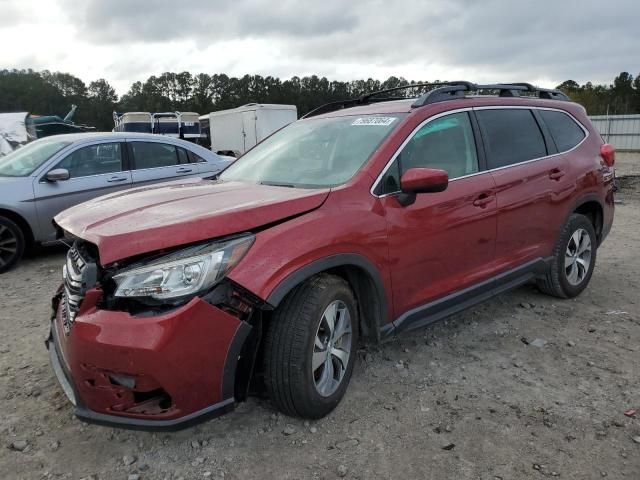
{"x": 521, "y": 387}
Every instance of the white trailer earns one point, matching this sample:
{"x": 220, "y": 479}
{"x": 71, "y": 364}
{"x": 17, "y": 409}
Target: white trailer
{"x": 237, "y": 130}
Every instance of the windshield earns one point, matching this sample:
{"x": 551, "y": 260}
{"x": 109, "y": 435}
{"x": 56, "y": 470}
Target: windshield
{"x": 314, "y": 153}
{"x": 25, "y": 160}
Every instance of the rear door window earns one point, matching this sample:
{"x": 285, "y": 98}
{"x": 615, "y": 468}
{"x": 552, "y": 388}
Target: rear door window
{"x": 511, "y": 136}
{"x": 565, "y": 131}
{"x": 154, "y": 155}
{"x": 182, "y": 155}
{"x": 195, "y": 158}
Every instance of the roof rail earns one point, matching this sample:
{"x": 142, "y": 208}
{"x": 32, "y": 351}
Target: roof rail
{"x": 368, "y": 96}
{"x": 443, "y": 91}
{"x": 332, "y": 107}
{"x": 456, "y": 91}
{"x": 546, "y": 93}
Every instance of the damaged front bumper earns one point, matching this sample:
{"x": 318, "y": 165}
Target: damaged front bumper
{"x": 161, "y": 372}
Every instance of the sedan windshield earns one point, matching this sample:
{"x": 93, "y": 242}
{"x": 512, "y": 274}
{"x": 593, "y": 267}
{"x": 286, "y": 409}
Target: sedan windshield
{"x": 314, "y": 153}
{"x": 25, "y": 160}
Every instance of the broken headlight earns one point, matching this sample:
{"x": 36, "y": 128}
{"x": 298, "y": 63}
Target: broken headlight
{"x": 182, "y": 273}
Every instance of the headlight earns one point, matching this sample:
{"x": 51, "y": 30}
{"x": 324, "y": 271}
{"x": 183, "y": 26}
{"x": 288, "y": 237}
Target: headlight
{"x": 185, "y": 272}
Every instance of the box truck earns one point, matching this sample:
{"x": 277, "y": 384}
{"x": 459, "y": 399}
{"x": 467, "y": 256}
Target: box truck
{"x": 234, "y": 131}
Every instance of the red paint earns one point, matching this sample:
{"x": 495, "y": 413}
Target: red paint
{"x": 182, "y": 352}
{"x": 478, "y": 227}
{"x": 423, "y": 180}
{"x": 162, "y": 216}
{"x": 441, "y": 243}
{"x": 532, "y": 206}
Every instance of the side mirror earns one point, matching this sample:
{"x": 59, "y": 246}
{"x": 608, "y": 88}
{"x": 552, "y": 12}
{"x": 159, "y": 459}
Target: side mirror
{"x": 421, "y": 180}
{"x": 57, "y": 174}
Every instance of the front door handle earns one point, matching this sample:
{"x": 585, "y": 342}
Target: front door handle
{"x": 116, "y": 179}
{"x": 184, "y": 170}
{"x": 483, "y": 200}
{"x": 556, "y": 174}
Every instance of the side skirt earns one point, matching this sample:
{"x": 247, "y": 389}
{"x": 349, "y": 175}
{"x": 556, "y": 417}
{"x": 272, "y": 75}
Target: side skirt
{"x": 453, "y": 303}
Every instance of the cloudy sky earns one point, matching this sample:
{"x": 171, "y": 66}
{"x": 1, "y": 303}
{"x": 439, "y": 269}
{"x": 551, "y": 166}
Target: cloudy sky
{"x": 543, "y": 42}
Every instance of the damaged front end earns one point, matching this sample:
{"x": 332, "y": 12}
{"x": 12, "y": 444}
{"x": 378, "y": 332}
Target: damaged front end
{"x": 156, "y": 343}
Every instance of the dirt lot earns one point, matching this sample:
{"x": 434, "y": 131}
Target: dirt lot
{"x": 628, "y": 163}
{"x": 465, "y": 399}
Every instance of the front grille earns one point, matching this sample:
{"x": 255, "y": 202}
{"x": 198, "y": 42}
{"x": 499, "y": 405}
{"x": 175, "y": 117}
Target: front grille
{"x": 79, "y": 276}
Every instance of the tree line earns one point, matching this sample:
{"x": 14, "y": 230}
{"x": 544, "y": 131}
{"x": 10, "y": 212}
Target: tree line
{"x": 48, "y": 93}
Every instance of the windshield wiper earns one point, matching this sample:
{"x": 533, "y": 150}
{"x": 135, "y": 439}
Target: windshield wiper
{"x": 277, "y": 184}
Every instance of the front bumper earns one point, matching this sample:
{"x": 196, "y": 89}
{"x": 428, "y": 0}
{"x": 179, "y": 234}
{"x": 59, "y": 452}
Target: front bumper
{"x": 162, "y": 372}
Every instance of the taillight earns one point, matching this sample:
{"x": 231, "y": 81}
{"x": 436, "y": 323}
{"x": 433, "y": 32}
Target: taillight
{"x": 608, "y": 154}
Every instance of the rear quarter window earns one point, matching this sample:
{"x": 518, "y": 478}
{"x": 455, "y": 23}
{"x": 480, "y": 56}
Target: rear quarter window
{"x": 565, "y": 131}
{"x": 511, "y": 136}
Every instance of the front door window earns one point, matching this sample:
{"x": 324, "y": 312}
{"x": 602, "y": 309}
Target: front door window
{"x": 446, "y": 143}
{"x": 96, "y": 159}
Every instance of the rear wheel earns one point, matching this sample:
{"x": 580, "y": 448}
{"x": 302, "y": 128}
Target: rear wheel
{"x": 310, "y": 347}
{"x": 11, "y": 244}
{"x": 574, "y": 259}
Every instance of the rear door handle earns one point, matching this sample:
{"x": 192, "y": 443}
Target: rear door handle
{"x": 483, "y": 200}
{"x": 556, "y": 174}
{"x": 184, "y": 170}
{"x": 116, "y": 179}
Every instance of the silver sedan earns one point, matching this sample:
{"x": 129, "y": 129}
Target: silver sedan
{"x": 49, "y": 175}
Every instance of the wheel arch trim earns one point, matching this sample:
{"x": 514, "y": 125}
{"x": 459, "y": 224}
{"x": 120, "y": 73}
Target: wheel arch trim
{"x": 583, "y": 200}
{"x": 332, "y": 262}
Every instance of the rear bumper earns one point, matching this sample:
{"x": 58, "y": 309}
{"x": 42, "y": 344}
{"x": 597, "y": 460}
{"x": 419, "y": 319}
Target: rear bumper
{"x": 165, "y": 372}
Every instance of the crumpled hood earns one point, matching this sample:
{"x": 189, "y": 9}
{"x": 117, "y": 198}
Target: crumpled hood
{"x": 152, "y": 218}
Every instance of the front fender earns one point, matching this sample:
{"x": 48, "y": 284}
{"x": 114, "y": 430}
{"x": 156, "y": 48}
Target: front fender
{"x": 332, "y": 236}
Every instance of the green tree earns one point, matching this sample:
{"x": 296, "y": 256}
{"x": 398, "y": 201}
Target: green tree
{"x": 622, "y": 93}
{"x": 102, "y": 102}
{"x": 48, "y": 93}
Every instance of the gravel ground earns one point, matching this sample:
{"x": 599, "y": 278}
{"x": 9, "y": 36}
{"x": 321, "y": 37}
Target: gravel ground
{"x": 627, "y": 163}
{"x": 521, "y": 387}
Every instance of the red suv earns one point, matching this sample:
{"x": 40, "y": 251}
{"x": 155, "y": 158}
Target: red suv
{"x": 366, "y": 218}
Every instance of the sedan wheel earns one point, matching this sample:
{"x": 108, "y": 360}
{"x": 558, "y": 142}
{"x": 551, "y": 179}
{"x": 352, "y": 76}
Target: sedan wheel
{"x": 11, "y": 244}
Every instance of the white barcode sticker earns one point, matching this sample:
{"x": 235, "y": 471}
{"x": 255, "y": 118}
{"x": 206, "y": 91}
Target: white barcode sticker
{"x": 375, "y": 121}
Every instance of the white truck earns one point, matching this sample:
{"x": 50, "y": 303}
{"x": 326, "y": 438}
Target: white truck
{"x": 233, "y": 132}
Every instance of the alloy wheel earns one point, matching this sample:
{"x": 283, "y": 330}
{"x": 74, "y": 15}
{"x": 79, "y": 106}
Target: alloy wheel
{"x": 577, "y": 257}
{"x": 332, "y": 348}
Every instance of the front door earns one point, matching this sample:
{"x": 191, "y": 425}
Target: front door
{"x": 443, "y": 242}
{"x": 94, "y": 170}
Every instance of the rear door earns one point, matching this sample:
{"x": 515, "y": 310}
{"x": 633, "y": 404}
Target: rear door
{"x": 96, "y": 169}
{"x": 154, "y": 162}
{"x": 444, "y": 242}
{"x": 531, "y": 181}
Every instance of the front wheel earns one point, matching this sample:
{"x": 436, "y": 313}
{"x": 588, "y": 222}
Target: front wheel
{"x": 310, "y": 347}
{"x": 574, "y": 258}
{"x": 11, "y": 244}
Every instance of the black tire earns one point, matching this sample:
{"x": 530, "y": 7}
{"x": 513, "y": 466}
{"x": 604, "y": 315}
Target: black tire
{"x": 289, "y": 345}
{"x": 556, "y": 282}
{"x": 11, "y": 244}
